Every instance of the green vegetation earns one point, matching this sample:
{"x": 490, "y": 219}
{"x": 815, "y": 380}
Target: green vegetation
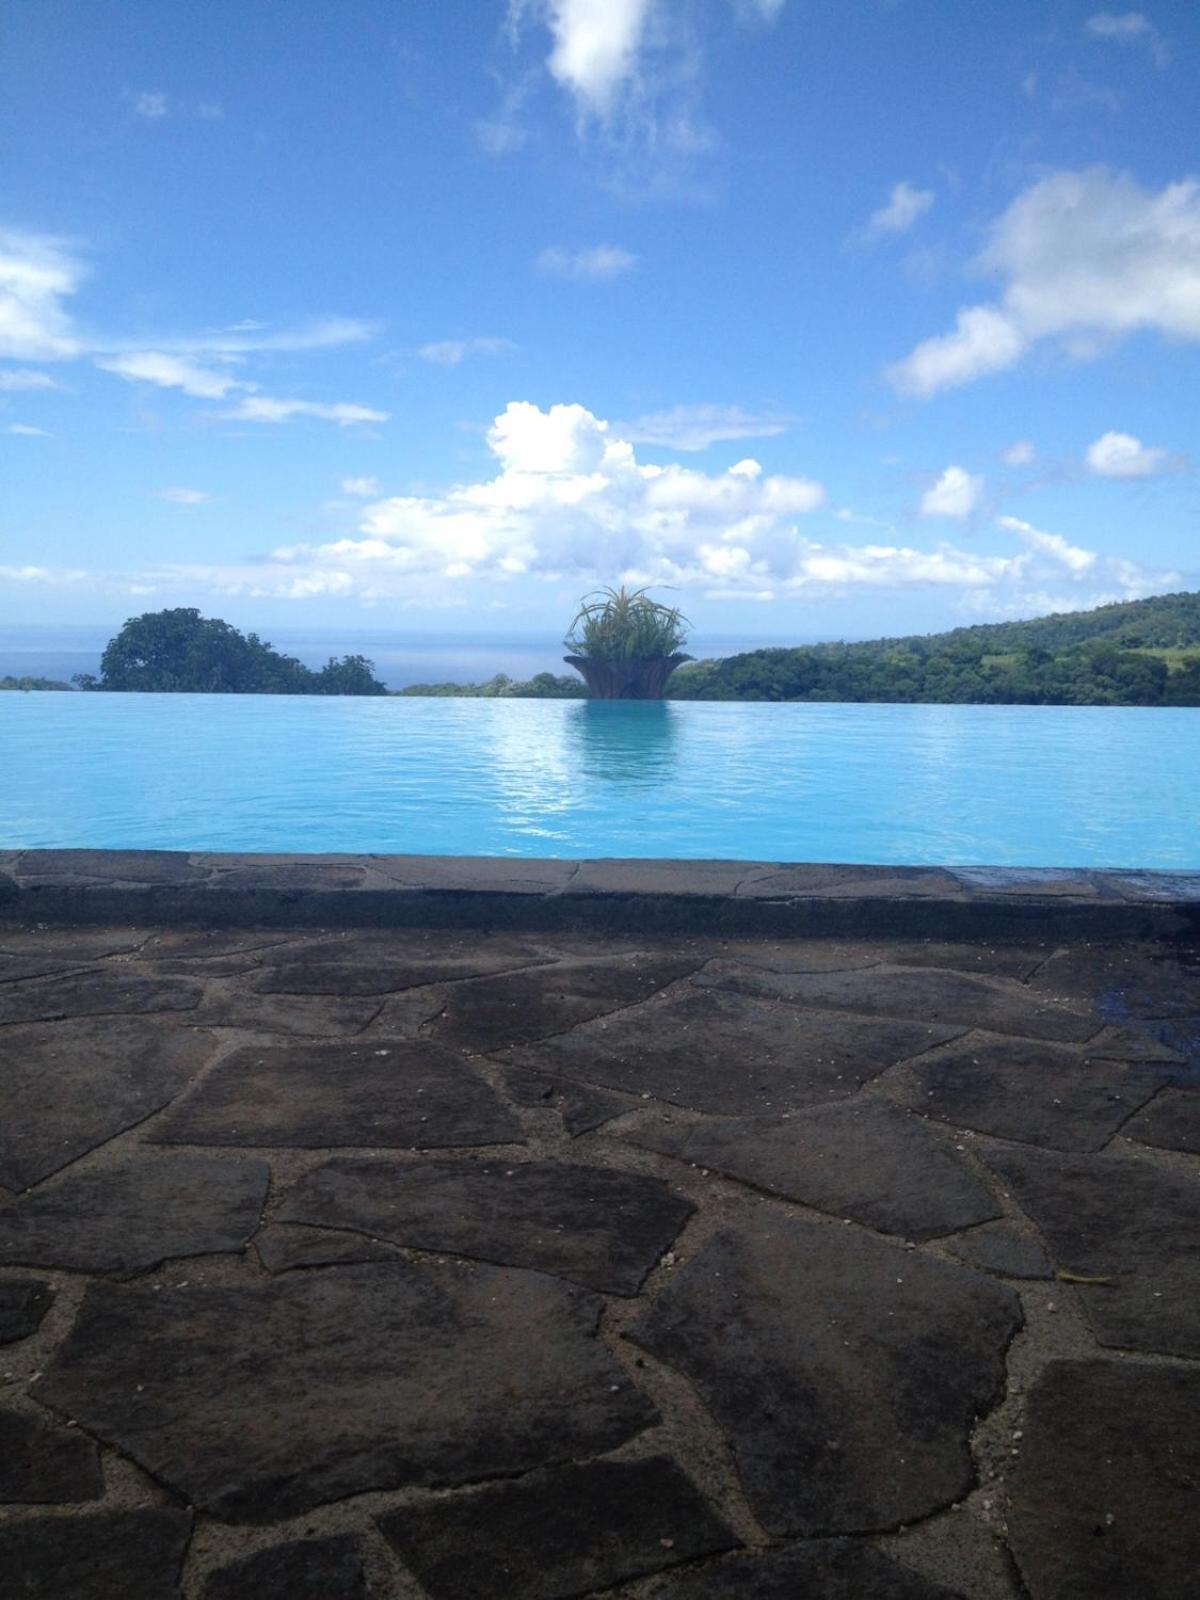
{"x": 544, "y": 686}
{"x": 1136, "y": 653}
{"x": 181, "y": 652}
{"x": 31, "y": 683}
{"x": 625, "y": 625}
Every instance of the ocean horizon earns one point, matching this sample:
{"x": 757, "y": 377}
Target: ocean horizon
{"x": 43, "y": 650}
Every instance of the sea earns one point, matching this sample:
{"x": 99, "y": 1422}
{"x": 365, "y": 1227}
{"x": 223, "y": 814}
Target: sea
{"x": 39, "y": 650}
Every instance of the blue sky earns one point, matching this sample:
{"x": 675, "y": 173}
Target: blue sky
{"x": 837, "y": 319}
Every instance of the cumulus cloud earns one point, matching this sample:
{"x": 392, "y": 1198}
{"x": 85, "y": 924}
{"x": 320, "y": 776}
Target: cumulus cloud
{"x": 595, "y": 45}
{"x": 696, "y": 427}
{"x": 265, "y": 408}
{"x": 1020, "y": 453}
{"x": 184, "y": 497}
{"x": 450, "y": 352}
{"x": 37, "y": 275}
{"x": 1083, "y": 256}
{"x": 956, "y": 493}
{"x": 172, "y": 372}
{"x": 1129, "y": 27}
{"x": 361, "y": 488}
{"x": 1120, "y": 455}
{"x": 905, "y": 205}
{"x": 595, "y": 265}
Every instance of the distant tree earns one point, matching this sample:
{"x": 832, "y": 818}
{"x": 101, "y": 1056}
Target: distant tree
{"x": 32, "y": 683}
{"x": 180, "y": 652}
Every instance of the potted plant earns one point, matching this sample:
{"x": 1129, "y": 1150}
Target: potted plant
{"x": 625, "y": 644}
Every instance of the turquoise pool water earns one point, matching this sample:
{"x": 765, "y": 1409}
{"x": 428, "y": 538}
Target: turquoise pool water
{"x": 1003, "y": 785}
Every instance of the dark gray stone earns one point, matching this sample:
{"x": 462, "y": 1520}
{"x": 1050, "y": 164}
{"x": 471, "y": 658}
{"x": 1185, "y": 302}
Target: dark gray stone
{"x": 847, "y": 1373}
{"x": 75, "y": 946}
{"x": 130, "y": 1216}
{"x": 111, "y": 991}
{"x": 281, "y": 1247}
{"x": 825, "y": 1569}
{"x": 840, "y": 881}
{"x": 515, "y": 1009}
{"x": 1122, "y": 984}
{"x": 926, "y": 994}
{"x": 1118, "y": 1218}
{"x": 23, "y": 1304}
{"x": 1001, "y": 1248}
{"x": 316, "y": 1016}
{"x": 1028, "y": 1090}
{"x": 1103, "y": 1494}
{"x": 258, "y": 1402}
{"x": 581, "y": 1107}
{"x": 554, "y": 1534}
{"x": 109, "y": 866}
{"x": 844, "y": 955}
{"x": 390, "y": 1092}
{"x": 601, "y": 1228}
{"x": 301, "y": 1569}
{"x": 862, "y": 1159}
{"x": 41, "y": 1464}
{"x": 284, "y": 880}
{"x": 728, "y": 1053}
{"x": 359, "y": 967}
{"x": 1171, "y": 1121}
{"x": 67, "y": 1087}
{"x": 101, "y": 1555}
{"x": 15, "y": 969}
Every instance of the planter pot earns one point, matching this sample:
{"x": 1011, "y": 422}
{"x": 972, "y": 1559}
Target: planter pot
{"x": 641, "y": 679}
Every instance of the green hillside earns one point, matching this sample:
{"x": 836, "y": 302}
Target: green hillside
{"x": 1137, "y": 652}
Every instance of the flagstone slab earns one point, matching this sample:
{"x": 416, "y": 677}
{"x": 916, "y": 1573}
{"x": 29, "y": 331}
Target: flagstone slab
{"x": 844, "y": 955}
{"x": 1124, "y": 1219}
{"x": 1028, "y": 1089}
{"x": 109, "y": 991}
{"x": 731, "y": 1054}
{"x": 67, "y": 1087}
{"x": 1103, "y": 1498}
{"x": 847, "y": 1372}
{"x": 42, "y": 1463}
{"x": 301, "y": 1569}
{"x": 285, "y": 1246}
{"x": 101, "y": 1555}
{"x": 384, "y": 968}
{"x": 568, "y": 1531}
{"x": 581, "y": 1107}
{"x": 1001, "y": 1248}
{"x": 929, "y": 993}
{"x": 1171, "y": 1121}
{"x": 861, "y": 1159}
{"x": 597, "y": 1227}
{"x": 314, "y": 1016}
{"x": 497, "y": 1012}
{"x": 75, "y": 945}
{"x": 391, "y": 1092}
{"x": 261, "y": 1401}
{"x": 823, "y": 1569}
{"x": 131, "y": 1215}
{"x": 15, "y": 969}
{"x": 1121, "y": 983}
{"x": 23, "y": 1304}
{"x": 109, "y": 866}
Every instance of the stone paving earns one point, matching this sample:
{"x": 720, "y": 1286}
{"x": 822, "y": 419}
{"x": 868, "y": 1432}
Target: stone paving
{"x": 518, "y": 1265}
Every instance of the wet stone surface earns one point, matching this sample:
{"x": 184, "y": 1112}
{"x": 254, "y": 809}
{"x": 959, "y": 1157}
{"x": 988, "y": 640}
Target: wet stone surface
{"x": 371, "y": 1264}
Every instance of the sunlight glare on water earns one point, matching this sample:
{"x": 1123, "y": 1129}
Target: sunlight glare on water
{"x": 1002, "y": 785}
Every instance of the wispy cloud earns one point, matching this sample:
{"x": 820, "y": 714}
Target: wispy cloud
{"x": 151, "y": 104}
{"x": 697, "y": 427}
{"x": 38, "y": 275}
{"x": 25, "y": 378}
{"x": 26, "y": 430}
{"x": 905, "y": 205}
{"x": 264, "y": 408}
{"x": 1130, "y": 27}
{"x": 361, "y": 488}
{"x": 598, "y": 264}
{"x": 451, "y": 352}
{"x": 184, "y": 497}
{"x": 172, "y": 372}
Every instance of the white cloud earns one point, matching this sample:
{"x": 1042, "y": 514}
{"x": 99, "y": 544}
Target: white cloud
{"x": 26, "y": 378}
{"x": 1129, "y": 27}
{"x": 250, "y": 337}
{"x": 595, "y": 45}
{"x": 263, "y": 408}
{"x": 1120, "y": 455}
{"x": 1071, "y": 556}
{"x": 185, "y": 497}
{"x": 26, "y": 430}
{"x": 450, "y": 352}
{"x": 361, "y": 488}
{"x": 172, "y": 372}
{"x": 595, "y": 265}
{"x": 151, "y": 104}
{"x": 37, "y": 274}
{"x": 696, "y": 427}
{"x": 210, "y": 111}
{"x": 905, "y": 205}
{"x": 1020, "y": 453}
{"x": 1087, "y": 255}
{"x": 957, "y": 493}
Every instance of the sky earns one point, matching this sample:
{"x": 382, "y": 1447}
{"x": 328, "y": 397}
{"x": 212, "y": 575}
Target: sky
{"x": 824, "y": 318}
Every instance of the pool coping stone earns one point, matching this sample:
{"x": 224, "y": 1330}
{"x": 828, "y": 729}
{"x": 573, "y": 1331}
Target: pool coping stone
{"x": 617, "y": 895}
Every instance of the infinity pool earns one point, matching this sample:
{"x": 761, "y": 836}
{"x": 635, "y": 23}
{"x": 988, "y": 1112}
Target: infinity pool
{"x": 1003, "y": 785}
